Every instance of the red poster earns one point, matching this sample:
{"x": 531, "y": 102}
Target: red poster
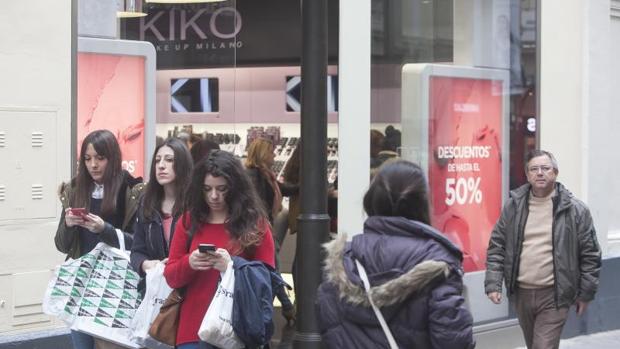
{"x": 465, "y": 163}
{"x": 111, "y": 96}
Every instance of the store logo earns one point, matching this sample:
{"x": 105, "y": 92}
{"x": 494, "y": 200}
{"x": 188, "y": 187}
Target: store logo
{"x": 189, "y": 22}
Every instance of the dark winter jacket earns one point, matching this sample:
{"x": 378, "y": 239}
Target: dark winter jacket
{"x": 67, "y": 239}
{"x": 576, "y": 253}
{"x": 149, "y": 242}
{"x": 253, "y": 301}
{"x": 415, "y": 275}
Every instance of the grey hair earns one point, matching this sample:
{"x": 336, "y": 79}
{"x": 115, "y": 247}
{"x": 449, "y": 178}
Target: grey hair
{"x": 538, "y": 152}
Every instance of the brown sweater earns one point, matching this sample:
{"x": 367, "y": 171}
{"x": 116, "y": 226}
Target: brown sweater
{"x": 536, "y": 264}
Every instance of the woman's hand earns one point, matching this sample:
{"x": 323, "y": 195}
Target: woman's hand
{"x": 93, "y": 223}
{"x": 149, "y": 264}
{"x": 199, "y": 261}
{"x": 212, "y": 260}
{"x": 72, "y": 220}
{"x": 220, "y": 259}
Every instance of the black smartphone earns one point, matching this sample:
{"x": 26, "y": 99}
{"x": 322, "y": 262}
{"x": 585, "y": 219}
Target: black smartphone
{"x": 206, "y": 248}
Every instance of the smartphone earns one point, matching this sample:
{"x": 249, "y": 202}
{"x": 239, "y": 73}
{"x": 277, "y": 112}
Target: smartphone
{"x": 78, "y": 211}
{"x": 206, "y": 248}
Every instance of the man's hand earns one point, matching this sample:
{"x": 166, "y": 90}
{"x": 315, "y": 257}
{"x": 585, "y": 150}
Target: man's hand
{"x": 581, "y": 307}
{"x": 495, "y": 297}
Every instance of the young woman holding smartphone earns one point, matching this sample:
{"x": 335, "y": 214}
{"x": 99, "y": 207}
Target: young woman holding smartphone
{"x": 101, "y": 198}
{"x": 222, "y": 209}
{"x": 161, "y": 206}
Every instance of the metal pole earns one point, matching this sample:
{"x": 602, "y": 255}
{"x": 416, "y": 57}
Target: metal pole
{"x": 313, "y": 220}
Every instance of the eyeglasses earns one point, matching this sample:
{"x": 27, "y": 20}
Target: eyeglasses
{"x": 544, "y": 169}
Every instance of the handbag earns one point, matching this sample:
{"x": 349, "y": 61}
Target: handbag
{"x": 164, "y": 327}
{"x": 362, "y": 273}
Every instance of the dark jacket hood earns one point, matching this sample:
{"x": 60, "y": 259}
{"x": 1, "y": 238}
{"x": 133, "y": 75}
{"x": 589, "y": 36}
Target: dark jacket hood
{"x": 419, "y": 269}
{"x": 400, "y": 226}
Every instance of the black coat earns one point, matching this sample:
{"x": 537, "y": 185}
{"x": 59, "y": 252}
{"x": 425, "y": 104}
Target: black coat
{"x": 149, "y": 241}
{"x": 415, "y": 275}
{"x": 68, "y": 239}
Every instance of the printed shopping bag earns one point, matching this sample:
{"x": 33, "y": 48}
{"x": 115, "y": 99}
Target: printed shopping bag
{"x": 216, "y": 327}
{"x": 157, "y": 290}
{"x": 96, "y": 294}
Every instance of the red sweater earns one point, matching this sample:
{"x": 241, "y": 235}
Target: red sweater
{"x": 201, "y": 285}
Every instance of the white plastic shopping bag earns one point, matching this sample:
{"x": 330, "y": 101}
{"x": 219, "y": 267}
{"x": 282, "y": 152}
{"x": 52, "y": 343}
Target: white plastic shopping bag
{"x": 96, "y": 293}
{"x": 216, "y": 328}
{"x": 157, "y": 290}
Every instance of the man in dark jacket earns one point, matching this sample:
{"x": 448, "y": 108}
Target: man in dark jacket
{"x": 544, "y": 247}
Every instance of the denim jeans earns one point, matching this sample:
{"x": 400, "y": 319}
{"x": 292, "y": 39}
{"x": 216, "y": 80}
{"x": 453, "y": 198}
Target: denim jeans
{"x": 82, "y": 340}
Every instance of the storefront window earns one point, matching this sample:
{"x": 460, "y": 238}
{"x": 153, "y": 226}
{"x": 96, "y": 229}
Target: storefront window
{"x": 453, "y": 88}
{"x": 229, "y": 72}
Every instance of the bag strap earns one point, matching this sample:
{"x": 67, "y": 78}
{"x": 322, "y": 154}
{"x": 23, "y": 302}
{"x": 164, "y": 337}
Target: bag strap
{"x": 121, "y": 240}
{"x": 362, "y": 273}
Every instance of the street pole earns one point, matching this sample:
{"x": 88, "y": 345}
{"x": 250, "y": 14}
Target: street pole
{"x": 313, "y": 219}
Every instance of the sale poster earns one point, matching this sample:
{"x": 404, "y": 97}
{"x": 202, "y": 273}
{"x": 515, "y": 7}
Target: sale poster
{"x": 465, "y": 162}
{"x": 111, "y": 96}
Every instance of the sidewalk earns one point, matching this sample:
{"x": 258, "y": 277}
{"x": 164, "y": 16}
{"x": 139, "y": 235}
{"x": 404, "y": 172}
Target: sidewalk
{"x": 601, "y": 340}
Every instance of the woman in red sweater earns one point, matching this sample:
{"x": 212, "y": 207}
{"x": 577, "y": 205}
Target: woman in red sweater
{"x": 221, "y": 208}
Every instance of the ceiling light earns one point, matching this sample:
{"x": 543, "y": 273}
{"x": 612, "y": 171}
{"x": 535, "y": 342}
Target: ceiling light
{"x": 129, "y": 9}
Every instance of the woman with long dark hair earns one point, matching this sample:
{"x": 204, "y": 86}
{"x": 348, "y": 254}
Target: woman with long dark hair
{"x": 221, "y": 208}
{"x": 415, "y": 273}
{"x": 101, "y": 198}
{"x": 161, "y": 206}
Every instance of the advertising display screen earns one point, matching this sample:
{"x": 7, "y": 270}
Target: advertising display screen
{"x": 111, "y": 93}
{"x": 465, "y": 161}
{"x": 194, "y": 95}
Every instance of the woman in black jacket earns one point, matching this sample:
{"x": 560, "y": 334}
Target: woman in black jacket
{"x": 161, "y": 206}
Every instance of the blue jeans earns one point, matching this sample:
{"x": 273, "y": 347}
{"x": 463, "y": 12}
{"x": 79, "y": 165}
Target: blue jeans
{"x": 196, "y": 345}
{"x": 82, "y": 340}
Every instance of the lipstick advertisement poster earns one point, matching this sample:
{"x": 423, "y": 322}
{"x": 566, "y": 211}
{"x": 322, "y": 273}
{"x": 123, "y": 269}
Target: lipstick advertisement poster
{"x": 465, "y": 162}
{"x": 111, "y": 96}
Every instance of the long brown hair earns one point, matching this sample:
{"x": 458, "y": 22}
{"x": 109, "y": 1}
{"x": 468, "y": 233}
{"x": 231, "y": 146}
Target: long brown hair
{"x": 257, "y": 151}
{"x": 154, "y": 192}
{"x": 105, "y": 144}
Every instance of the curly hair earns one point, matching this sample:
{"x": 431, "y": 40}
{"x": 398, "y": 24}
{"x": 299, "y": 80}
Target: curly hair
{"x": 154, "y": 192}
{"x": 246, "y": 220}
{"x": 399, "y": 189}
